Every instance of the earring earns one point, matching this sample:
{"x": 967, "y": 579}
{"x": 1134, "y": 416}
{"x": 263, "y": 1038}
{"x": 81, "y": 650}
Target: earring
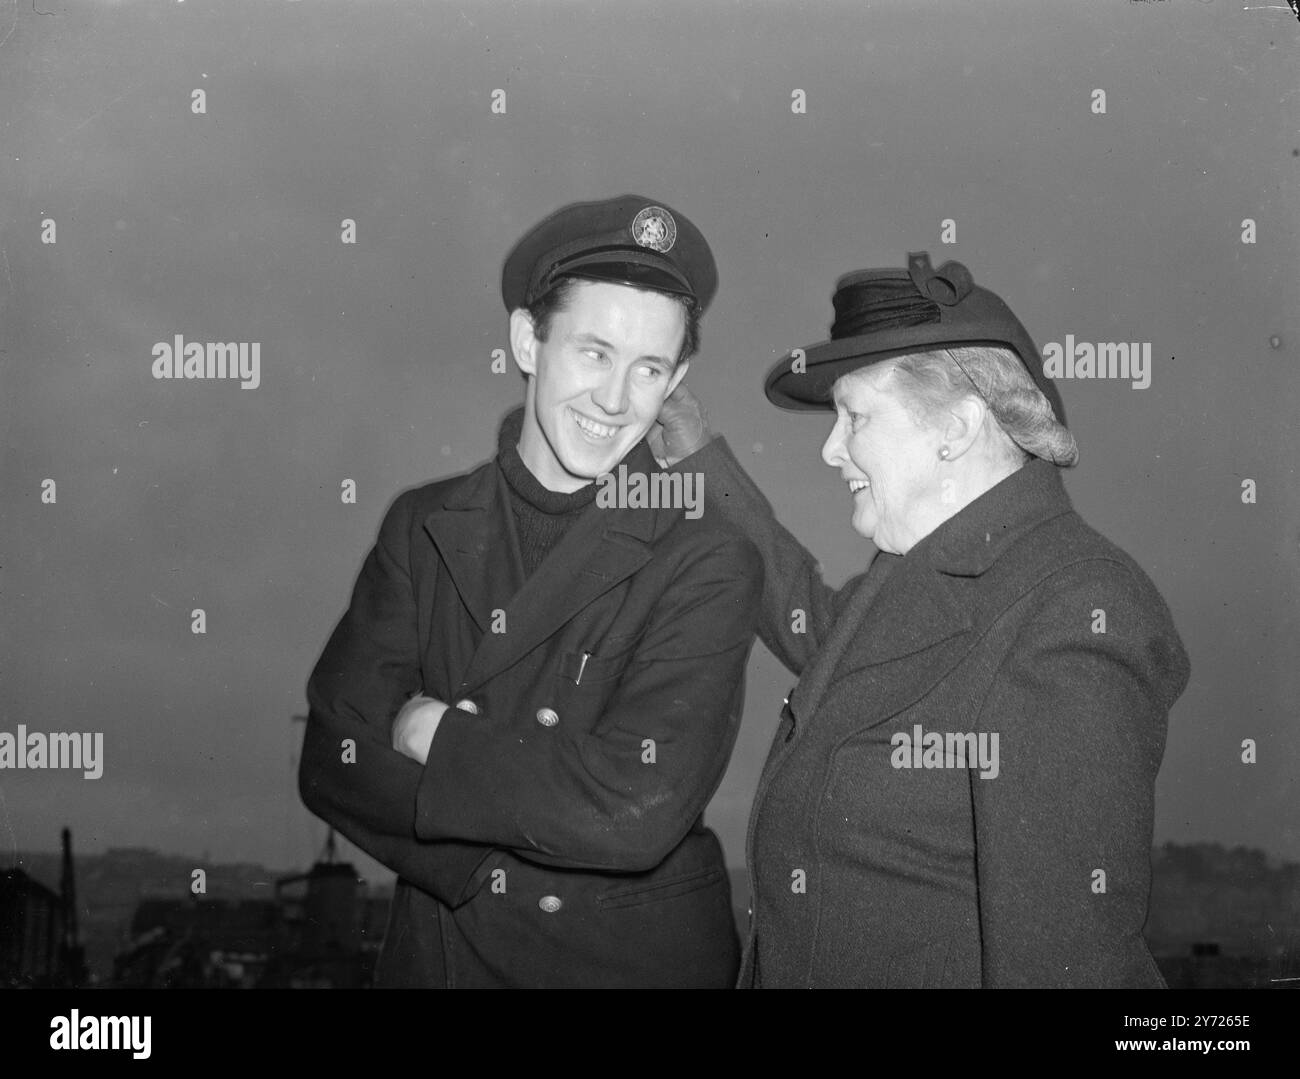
{"x": 943, "y": 453}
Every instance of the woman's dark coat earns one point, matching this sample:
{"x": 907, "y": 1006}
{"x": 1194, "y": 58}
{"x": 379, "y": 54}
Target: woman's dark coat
{"x": 1013, "y": 617}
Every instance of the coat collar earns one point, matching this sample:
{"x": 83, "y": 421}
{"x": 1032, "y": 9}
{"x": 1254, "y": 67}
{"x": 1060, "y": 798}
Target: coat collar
{"x": 485, "y": 491}
{"x": 908, "y": 605}
{"x": 972, "y": 540}
{"x": 474, "y": 531}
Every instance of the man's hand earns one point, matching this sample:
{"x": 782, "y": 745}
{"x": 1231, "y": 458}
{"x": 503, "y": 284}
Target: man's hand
{"x": 415, "y": 725}
{"x": 681, "y": 429}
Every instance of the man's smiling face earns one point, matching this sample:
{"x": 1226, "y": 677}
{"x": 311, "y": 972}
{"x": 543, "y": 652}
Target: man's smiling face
{"x": 597, "y": 382}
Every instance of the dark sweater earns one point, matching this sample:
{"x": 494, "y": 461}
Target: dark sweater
{"x": 542, "y": 516}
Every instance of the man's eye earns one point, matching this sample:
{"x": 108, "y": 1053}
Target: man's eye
{"x": 650, "y": 371}
{"x": 594, "y": 353}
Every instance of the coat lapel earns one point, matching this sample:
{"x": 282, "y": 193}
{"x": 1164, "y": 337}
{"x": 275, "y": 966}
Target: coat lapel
{"x": 891, "y": 632}
{"x": 476, "y": 537}
{"x": 897, "y": 614}
{"x": 910, "y": 639}
{"x": 469, "y": 531}
{"x": 812, "y": 686}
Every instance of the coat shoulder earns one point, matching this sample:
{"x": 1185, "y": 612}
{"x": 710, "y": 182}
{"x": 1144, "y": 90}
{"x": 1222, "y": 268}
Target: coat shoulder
{"x": 1065, "y": 572}
{"x": 1067, "y": 549}
{"x": 422, "y": 499}
{"x": 406, "y": 513}
{"x": 712, "y": 538}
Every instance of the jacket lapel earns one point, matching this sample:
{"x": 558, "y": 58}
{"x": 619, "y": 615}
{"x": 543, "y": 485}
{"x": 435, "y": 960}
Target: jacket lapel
{"x": 910, "y": 639}
{"x": 476, "y": 536}
{"x": 897, "y": 615}
{"x": 892, "y": 625}
{"x": 474, "y": 532}
{"x": 812, "y": 686}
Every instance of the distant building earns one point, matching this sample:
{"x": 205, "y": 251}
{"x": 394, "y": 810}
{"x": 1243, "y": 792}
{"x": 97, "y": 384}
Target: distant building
{"x": 198, "y": 943}
{"x": 31, "y": 930}
{"x": 39, "y": 940}
{"x": 320, "y": 931}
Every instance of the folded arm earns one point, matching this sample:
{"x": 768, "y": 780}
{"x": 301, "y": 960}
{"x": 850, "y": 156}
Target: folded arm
{"x": 622, "y": 795}
{"x": 350, "y": 776}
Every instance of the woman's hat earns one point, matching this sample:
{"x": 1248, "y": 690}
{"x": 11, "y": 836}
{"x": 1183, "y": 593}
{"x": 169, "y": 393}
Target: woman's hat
{"x": 884, "y": 313}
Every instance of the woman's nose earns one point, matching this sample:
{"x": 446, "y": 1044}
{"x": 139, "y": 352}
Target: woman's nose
{"x": 833, "y": 447}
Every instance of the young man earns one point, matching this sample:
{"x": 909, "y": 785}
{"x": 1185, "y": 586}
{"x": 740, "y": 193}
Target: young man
{"x": 533, "y": 694}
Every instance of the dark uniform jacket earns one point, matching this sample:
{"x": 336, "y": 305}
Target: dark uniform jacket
{"x": 1012, "y": 617}
{"x": 554, "y": 837}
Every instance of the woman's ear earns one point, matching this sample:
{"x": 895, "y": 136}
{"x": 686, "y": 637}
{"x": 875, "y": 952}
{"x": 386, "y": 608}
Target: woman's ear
{"x": 965, "y": 421}
{"x": 523, "y": 341}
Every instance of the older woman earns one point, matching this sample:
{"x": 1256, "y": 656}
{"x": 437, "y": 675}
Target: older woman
{"x": 960, "y": 788}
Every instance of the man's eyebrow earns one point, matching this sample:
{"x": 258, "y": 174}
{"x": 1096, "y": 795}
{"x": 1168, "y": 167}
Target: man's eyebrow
{"x": 592, "y": 339}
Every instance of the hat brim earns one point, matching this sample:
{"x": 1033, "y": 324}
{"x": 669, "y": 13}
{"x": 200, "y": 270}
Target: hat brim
{"x": 809, "y": 390}
{"x": 827, "y": 361}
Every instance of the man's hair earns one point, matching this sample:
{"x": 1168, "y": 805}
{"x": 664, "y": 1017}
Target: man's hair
{"x": 556, "y": 298}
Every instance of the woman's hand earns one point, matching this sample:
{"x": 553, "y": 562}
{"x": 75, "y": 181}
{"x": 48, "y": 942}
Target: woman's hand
{"x": 681, "y": 429}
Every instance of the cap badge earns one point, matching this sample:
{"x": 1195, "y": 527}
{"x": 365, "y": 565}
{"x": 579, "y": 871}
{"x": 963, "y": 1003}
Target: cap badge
{"x": 654, "y": 228}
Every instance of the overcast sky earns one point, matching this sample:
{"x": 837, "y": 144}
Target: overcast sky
{"x": 375, "y": 358}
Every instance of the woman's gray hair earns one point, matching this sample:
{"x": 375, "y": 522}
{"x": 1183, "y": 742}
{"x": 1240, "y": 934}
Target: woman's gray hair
{"x": 939, "y": 379}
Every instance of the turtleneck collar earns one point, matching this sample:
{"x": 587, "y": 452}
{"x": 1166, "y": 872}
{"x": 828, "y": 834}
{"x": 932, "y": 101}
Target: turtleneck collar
{"x": 527, "y": 486}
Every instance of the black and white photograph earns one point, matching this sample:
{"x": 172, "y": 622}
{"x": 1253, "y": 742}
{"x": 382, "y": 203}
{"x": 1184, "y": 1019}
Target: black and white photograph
{"x": 636, "y": 494}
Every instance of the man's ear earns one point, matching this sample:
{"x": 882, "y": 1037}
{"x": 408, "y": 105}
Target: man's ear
{"x": 523, "y": 341}
{"x": 678, "y": 374}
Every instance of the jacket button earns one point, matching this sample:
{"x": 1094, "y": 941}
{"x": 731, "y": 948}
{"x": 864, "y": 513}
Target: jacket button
{"x": 547, "y": 717}
{"x": 550, "y": 903}
{"x": 468, "y": 706}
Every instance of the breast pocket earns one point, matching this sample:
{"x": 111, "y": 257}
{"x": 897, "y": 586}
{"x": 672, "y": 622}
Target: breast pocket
{"x": 584, "y": 682}
{"x": 601, "y": 663}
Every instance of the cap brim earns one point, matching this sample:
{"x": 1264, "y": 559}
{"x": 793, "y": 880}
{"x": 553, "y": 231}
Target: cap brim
{"x": 627, "y": 268}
